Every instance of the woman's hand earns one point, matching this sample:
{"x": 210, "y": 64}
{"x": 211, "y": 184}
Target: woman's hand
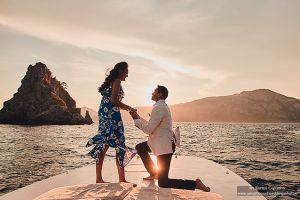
{"x": 132, "y": 109}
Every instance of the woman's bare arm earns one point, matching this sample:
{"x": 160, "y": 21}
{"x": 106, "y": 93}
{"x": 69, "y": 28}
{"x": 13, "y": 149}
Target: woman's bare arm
{"x": 115, "y": 96}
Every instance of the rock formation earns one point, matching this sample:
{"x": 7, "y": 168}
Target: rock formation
{"x": 93, "y": 114}
{"x": 88, "y": 117}
{"x": 41, "y": 99}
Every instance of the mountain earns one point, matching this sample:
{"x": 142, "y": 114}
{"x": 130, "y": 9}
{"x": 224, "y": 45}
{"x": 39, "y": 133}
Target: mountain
{"x": 41, "y": 99}
{"x": 261, "y": 105}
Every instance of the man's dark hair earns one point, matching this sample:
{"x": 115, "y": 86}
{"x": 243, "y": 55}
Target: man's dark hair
{"x": 163, "y": 90}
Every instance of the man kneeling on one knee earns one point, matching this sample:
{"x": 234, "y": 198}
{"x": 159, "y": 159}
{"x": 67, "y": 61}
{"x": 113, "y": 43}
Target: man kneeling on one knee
{"x": 161, "y": 144}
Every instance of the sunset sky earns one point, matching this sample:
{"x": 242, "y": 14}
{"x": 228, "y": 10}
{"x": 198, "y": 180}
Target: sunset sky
{"x": 195, "y": 48}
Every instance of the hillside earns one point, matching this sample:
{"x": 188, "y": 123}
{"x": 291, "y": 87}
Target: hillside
{"x": 261, "y": 105}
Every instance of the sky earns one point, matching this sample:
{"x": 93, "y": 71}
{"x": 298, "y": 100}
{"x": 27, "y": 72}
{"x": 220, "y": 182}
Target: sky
{"x": 195, "y": 48}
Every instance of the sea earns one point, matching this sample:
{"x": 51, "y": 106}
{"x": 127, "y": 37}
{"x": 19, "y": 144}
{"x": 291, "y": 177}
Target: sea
{"x": 266, "y": 155}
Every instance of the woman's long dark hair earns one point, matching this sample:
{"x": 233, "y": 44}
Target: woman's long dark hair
{"x": 113, "y": 74}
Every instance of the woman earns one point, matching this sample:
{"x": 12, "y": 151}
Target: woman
{"x": 111, "y": 129}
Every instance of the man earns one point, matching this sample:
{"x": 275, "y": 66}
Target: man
{"x": 161, "y": 144}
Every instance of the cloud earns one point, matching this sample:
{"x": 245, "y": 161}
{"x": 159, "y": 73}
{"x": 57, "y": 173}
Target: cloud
{"x": 148, "y": 31}
{"x": 205, "y": 44}
{"x": 83, "y": 69}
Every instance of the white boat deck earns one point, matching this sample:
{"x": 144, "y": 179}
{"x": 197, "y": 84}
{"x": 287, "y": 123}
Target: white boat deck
{"x": 220, "y": 179}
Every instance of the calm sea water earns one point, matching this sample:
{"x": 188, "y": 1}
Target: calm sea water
{"x": 266, "y": 155}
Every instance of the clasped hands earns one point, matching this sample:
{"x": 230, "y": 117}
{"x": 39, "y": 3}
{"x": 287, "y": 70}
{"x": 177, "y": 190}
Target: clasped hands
{"x": 134, "y": 114}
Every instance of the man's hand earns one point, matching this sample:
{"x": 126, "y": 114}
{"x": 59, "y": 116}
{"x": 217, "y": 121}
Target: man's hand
{"x": 134, "y": 115}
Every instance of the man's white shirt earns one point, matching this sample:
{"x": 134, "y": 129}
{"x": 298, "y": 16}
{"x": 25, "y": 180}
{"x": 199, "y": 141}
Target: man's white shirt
{"x": 159, "y": 129}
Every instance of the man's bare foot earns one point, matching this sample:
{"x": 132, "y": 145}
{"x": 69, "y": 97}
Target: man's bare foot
{"x": 201, "y": 186}
{"x": 150, "y": 178}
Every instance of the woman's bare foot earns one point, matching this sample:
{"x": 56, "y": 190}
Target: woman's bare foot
{"x": 101, "y": 181}
{"x": 201, "y": 186}
{"x": 150, "y": 178}
{"x": 133, "y": 184}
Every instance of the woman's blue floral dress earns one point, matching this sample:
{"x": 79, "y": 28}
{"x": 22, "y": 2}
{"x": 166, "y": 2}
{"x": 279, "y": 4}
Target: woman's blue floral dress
{"x": 111, "y": 130}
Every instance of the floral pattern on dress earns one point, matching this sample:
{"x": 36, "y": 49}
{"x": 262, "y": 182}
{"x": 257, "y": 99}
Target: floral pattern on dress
{"x": 111, "y": 130}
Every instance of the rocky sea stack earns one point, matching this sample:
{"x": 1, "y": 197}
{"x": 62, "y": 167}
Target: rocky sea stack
{"x": 41, "y": 99}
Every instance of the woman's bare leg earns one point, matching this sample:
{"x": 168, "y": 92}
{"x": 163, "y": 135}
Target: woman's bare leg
{"x": 99, "y": 166}
{"x": 121, "y": 172}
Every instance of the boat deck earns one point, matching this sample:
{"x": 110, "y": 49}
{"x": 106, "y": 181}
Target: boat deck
{"x": 221, "y": 180}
